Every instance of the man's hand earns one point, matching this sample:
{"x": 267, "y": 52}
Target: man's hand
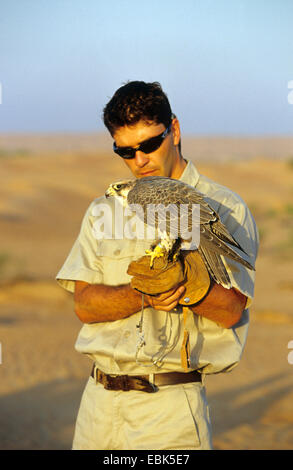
{"x": 223, "y": 306}
{"x": 166, "y": 301}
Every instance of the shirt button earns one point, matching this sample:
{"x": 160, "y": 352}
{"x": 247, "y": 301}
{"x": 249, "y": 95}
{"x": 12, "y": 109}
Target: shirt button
{"x": 127, "y": 334}
{"x": 117, "y": 252}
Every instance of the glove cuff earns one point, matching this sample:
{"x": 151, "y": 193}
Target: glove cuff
{"x": 197, "y": 279}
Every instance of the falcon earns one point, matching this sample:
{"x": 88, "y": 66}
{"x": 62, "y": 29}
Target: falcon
{"x": 215, "y": 239}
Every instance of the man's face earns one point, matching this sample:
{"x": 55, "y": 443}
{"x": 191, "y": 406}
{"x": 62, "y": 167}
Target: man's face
{"x": 165, "y": 161}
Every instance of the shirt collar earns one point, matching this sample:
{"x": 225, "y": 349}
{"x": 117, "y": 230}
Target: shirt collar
{"x": 190, "y": 174}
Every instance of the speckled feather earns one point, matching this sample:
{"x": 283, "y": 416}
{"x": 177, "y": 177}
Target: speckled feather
{"x": 214, "y": 236}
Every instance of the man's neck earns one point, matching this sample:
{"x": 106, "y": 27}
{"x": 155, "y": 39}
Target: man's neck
{"x": 179, "y": 168}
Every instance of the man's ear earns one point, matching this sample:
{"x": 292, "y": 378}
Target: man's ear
{"x": 176, "y": 134}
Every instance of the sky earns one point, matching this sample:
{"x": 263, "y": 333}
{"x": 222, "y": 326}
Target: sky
{"x": 225, "y": 65}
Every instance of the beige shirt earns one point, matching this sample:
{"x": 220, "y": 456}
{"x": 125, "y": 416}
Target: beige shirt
{"x": 114, "y": 345}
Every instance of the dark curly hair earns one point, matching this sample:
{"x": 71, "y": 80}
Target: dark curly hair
{"x": 136, "y": 101}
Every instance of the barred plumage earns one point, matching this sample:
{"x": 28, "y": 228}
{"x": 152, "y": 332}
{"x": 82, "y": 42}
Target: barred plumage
{"x": 215, "y": 239}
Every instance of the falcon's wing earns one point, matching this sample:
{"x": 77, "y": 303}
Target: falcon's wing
{"x": 183, "y": 201}
{"x": 215, "y": 239}
{"x": 156, "y": 197}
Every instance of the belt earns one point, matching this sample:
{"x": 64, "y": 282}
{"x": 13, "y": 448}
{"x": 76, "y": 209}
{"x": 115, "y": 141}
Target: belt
{"x": 144, "y": 383}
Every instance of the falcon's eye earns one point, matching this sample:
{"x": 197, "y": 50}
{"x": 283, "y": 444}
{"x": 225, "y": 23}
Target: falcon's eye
{"x": 118, "y": 186}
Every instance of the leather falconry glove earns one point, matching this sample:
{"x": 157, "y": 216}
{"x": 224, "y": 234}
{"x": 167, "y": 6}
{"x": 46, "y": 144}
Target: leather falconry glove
{"x": 189, "y": 271}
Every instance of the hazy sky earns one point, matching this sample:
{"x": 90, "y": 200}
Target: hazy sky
{"x": 224, "y": 64}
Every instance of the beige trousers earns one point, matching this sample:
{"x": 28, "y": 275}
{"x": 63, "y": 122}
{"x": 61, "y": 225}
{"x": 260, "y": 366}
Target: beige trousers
{"x": 176, "y": 417}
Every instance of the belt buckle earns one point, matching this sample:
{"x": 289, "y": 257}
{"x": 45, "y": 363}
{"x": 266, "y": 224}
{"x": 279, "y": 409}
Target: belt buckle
{"x": 152, "y": 388}
{"x": 148, "y": 386}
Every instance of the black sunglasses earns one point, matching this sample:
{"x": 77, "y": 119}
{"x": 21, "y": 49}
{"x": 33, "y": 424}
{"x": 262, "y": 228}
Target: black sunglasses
{"x": 148, "y": 146}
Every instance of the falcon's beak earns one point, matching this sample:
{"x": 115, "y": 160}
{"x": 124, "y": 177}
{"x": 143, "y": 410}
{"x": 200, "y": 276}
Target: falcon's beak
{"x": 110, "y": 192}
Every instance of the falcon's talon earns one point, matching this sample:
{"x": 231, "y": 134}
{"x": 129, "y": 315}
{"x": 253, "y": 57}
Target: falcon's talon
{"x": 157, "y": 252}
{"x": 176, "y": 256}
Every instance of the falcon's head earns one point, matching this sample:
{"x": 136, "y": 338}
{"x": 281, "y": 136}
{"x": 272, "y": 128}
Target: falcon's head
{"x": 120, "y": 189}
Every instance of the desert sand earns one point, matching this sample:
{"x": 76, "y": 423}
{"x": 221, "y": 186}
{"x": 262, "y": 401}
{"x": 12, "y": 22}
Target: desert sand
{"x": 46, "y": 185}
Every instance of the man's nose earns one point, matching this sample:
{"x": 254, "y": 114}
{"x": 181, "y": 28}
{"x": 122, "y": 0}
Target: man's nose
{"x": 141, "y": 158}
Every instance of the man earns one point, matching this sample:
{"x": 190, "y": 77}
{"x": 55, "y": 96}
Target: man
{"x": 138, "y": 395}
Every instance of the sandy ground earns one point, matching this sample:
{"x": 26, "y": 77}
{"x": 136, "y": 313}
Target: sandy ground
{"x": 43, "y": 196}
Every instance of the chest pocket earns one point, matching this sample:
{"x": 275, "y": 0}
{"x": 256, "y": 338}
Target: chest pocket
{"x": 115, "y": 256}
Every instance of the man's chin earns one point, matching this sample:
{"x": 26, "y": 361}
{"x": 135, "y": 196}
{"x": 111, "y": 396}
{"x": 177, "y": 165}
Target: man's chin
{"x": 143, "y": 174}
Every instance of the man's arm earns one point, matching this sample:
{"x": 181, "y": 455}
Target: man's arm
{"x": 100, "y": 303}
{"x": 95, "y": 303}
{"x": 223, "y": 306}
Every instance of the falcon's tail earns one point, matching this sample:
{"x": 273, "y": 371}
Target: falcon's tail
{"x": 221, "y": 232}
{"x": 215, "y": 267}
{"x": 212, "y": 249}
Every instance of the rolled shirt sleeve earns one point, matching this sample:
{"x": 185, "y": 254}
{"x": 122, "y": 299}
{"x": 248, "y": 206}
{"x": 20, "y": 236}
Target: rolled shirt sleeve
{"x": 82, "y": 263}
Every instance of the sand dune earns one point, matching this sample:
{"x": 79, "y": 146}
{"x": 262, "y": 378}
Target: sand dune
{"x": 200, "y": 147}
